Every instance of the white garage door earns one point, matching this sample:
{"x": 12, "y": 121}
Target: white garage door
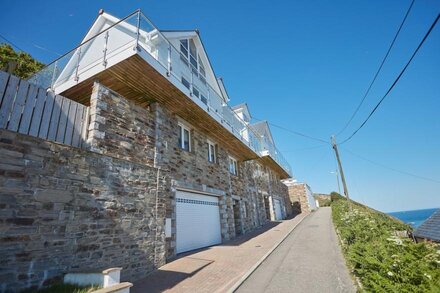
{"x": 278, "y": 214}
{"x": 197, "y": 221}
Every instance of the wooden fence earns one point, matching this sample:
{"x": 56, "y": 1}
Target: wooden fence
{"x": 28, "y": 109}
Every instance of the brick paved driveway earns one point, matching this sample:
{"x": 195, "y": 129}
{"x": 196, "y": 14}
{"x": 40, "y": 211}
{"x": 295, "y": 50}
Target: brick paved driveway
{"x": 217, "y": 268}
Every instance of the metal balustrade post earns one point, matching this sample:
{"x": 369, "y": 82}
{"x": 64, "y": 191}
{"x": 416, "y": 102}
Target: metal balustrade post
{"x": 104, "y": 60}
{"x": 136, "y": 47}
{"x": 169, "y": 68}
{"x": 209, "y": 98}
{"x": 192, "y": 82}
{"x": 76, "y": 78}
{"x": 54, "y": 73}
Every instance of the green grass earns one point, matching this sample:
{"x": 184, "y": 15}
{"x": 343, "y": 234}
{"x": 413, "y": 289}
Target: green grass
{"x": 380, "y": 260}
{"x": 65, "y": 288}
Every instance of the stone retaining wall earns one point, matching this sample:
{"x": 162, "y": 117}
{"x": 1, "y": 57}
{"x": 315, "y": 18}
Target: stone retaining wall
{"x": 65, "y": 209}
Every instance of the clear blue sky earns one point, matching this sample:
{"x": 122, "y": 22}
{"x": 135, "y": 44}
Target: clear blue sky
{"x": 303, "y": 65}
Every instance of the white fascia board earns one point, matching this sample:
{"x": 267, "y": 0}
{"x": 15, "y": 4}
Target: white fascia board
{"x": 242, "y": 108}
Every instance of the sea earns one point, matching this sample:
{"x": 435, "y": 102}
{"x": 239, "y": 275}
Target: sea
{"x": 414, "y": 218}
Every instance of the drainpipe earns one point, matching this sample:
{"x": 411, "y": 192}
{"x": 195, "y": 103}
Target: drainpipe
{"x": 271, "y": 199}
{"x": 156, "y": 165}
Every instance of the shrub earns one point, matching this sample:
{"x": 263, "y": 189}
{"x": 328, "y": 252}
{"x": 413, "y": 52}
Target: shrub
{"x": 382, "y": 261}
{"x": 334, "y": 196}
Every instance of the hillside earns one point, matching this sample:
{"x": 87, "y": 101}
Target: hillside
{"x": 379, "y": 254}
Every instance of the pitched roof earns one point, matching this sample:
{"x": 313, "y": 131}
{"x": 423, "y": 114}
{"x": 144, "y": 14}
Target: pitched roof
{"x": 242, "y": 107}
{"x": 104, "y": 20}
{"x": 262, "y": 128}
{"x": 217, "y": 83}
{"x": 430, "y": 229}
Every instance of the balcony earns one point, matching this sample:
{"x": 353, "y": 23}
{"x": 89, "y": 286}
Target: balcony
{"x": 132, "y": 57}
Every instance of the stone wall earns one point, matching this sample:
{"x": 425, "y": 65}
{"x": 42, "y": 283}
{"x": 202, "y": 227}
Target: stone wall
{"x": 298, "y": 197}
{"x": 65, "y": 209}
{"x": 119, "y": 128}
{"x": 150, "y": 135}
{"x": 192, "y": 170}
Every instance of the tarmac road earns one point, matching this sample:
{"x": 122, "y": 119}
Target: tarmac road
{"x": 308, "y": 260}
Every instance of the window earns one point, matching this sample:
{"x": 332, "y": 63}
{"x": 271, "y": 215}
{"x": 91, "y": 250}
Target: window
{"x": 189, "y": 56}
{"x": 212, "y": 156}
{"x": 204, "y": 99}
{"x": 201, "y": 68}
{"x": 202, "y": 71}
{"x": 196, "y": 92}
{"x": 184, "y": 51}
{"x": 233, "y": 168}
{"x": 184, "y": 138}
{"x": 185, "y": 82}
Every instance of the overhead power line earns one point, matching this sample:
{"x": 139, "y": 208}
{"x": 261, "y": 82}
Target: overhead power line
{"x": 395, "y": 81}
{"x": 304, "y": 149}
{"x": 391, "y": 168}
{"x": 33, "y": 44}
{"x": 293, "y": 131}
{"x": 378, "y": 70}
{"x": 8, "y": 41}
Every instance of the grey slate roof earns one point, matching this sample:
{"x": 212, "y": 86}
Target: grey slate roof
{"x": 430, "y": 229}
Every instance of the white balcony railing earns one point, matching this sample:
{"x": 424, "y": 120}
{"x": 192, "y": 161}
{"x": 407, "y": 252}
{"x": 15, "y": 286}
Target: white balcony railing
{"x": 137, "y": 31}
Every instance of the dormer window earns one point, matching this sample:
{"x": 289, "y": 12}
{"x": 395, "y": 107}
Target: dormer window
{"x": 184, "y": 51}
{"x": 193, "y": 55}
{"x": 202, "y": 71}
{"x": 191, "y": 58}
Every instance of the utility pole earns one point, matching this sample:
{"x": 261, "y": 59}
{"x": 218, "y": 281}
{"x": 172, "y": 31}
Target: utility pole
{"x": 337, "y": 179}
{"x": 335, "y": 147}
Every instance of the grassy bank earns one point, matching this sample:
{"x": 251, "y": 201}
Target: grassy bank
{"x": 381, "y": 260}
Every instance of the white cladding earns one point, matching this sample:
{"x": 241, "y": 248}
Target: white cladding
{"x": 197, "y": 221}
{"x": 310, "y": 198}
{"x": 278, "y": 212}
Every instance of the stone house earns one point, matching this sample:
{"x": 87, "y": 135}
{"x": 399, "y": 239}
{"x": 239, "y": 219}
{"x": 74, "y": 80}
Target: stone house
{"x": 300, "y": 195}
{"x": 165, "y": 165}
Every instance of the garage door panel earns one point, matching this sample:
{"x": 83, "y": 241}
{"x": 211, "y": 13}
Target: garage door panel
{"x": 197, "y": 221}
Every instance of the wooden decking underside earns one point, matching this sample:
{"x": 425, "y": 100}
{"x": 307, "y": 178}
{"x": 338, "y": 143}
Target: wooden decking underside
{"x": 138, "y": 81}
{"x": 268, "y": 161}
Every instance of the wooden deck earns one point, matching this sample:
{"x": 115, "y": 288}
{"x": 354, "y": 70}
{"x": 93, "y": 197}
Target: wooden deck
{"x": 138, "y": 81}
{"x": 269, "y": 161}
{"x": 135, "y": 79}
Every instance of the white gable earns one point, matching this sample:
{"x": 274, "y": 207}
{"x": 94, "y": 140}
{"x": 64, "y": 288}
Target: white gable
{"x": 242, "y": 111}
{"x": 262, "y": 128}
{"x": 175, "y": 36}
{"x": 90, "y": 55}
{"x": 122, "y": 36}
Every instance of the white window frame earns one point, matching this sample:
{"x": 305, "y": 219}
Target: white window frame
{"x": 245, "y": 212}
{"x": 233, "y": 166}
{"x": 212, "y": 153}
{"x": 182, "y": 130}
{"x": 200, "y": 69}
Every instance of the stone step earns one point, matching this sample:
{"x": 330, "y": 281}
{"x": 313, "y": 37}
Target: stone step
{"x": 105, "y": 278}
{"x": 117, "y": 288}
